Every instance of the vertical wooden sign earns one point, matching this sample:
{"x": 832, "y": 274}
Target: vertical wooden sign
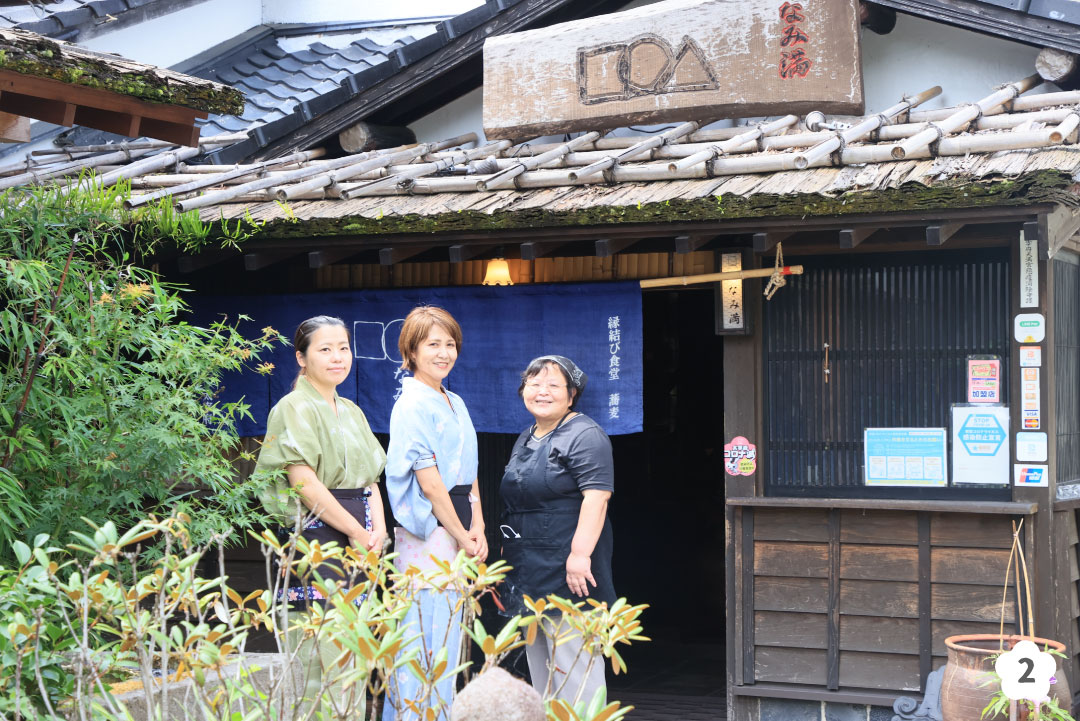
{"x": 675, "y": 60}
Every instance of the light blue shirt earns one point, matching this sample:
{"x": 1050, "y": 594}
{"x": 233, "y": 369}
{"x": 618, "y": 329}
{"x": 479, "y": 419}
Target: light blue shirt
{"x": 425, "y": 432}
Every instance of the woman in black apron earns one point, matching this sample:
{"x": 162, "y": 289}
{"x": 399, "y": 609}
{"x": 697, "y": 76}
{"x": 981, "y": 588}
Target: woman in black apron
{"x": 556, "y": 533}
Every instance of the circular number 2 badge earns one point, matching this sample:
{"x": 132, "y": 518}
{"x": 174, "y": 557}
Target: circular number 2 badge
{"x": 1025, "y": 672}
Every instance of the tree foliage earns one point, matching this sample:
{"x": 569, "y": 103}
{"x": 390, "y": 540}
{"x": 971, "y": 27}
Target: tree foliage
{"x": 108, "y": 396}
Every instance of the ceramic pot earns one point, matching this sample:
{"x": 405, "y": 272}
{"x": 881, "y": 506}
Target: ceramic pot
{"x": 963, "y": 697}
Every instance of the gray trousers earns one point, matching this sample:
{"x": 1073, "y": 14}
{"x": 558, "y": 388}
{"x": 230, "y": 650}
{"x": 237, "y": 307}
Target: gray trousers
{"x": 569, "y": 665}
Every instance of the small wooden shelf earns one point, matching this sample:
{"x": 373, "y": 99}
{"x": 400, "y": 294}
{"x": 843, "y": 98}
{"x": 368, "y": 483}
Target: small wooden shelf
{"x": 882, "y": 504}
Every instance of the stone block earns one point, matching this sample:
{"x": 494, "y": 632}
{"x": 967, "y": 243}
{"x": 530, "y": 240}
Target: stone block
{"x": 775, "y": 709}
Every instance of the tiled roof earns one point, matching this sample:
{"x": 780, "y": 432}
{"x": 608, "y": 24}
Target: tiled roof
{"x": 278, "y": 82}
{"x": 64, "y": 17}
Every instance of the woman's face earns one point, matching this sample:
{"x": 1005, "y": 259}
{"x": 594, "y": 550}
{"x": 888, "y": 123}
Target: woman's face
{"x": 434, "y": 358}
{"x": 328, "y": 358}
{"x": 546, "y": 395}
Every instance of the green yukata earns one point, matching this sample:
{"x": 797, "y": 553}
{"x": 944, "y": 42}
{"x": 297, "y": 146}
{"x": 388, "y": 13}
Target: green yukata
{"x": 303, "y": 429}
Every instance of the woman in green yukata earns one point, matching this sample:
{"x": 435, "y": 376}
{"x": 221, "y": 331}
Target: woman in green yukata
{"x": 331, "y": 462}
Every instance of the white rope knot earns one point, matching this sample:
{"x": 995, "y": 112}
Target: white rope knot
{"x": 777, "y": 279}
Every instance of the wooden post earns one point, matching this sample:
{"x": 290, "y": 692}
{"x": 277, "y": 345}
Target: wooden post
{"x": 1040, "y": 548}
{"x": 362, "y": 137}
{"x": 742, "y": 416}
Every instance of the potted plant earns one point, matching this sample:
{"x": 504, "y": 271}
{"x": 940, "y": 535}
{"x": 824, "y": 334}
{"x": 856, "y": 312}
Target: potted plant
{"x": 971, "y": 687}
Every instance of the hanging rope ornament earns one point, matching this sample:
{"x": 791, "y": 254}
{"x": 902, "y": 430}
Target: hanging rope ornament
{"x": 777, "y": 279}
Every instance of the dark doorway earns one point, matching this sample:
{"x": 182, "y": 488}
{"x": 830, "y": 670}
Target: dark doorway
{"x": 668, "y": 511}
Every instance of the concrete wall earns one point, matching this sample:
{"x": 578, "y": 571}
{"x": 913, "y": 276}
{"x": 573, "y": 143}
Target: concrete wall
{"x": 310, "y": 11}
{"x": 171, "y": 38}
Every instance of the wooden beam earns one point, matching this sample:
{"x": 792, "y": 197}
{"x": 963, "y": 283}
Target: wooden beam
{"x": 56, "y": 112}
{"x": 265, "y": 258}
{"x": 690, "y": 243}
{"x": 941, "y": 232}
{"x": 110, "y": 121}
{"x": 1061, "y": 225}
{"x": 764, "y": 242}
{"x": 536, "y": 249}
{"x": 323, "y": 258}
{"x": 364, "y": 136}
{"x": 48, "y": 89}
{"x": 179, "y": 133}
{"x": 397, "y": 253}
{"x": 461, "y": 252}
{"x": 851, "y": 237}
{"x": 607, "y": 247}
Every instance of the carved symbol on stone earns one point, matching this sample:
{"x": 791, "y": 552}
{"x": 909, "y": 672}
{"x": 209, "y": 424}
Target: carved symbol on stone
{"x": 647, "y": 65}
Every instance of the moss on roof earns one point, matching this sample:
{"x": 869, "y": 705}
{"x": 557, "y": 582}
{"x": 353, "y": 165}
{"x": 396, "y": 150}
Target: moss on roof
{"x": 32, "y": 54}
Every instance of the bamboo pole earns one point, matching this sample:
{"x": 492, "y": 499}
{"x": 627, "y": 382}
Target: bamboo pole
{"x": 368, "y": 162}
{"x": 634, "y": 150}
{"x": 146, "y": 165}
{"x": 767, "y": 163}
{"x": 715, "y": 277}
{"x": 211, "y": 180}
{"x": 421, "y": 169}
{"x": 739, "y": 142}
{"x": 505, "y": 177}
{"x": 76, "y": 166}
{"x": 868, "y": 125}
{"x": 938, "y": 130}
{"x": 223, "y": 139}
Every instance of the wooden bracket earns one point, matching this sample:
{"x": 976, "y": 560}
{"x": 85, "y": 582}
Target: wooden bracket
{"x": 461, "y": 252}
{"x": 607, "y": 247}
{"x": 851, "y": 237}
{"x": 764, "y": 242}
{"x": 534, "y": 249}
{"x": 690, "y": 243}
{"x": 396, "y": 254}
{"x": 939, "y": 233}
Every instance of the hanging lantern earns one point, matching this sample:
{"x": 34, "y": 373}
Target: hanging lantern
{"x": 498, "y": 272}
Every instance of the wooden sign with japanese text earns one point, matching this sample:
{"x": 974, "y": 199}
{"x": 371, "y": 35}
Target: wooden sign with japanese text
{"x": 675, "y": 60}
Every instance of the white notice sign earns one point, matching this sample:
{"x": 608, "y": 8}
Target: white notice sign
{"x": 980, "y": 447}
{"x": 1029, "y": 272}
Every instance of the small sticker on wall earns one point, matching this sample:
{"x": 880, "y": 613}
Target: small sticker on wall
{"x": 740, "y": 457}
{"x": 1030, "y": 356}
{"x": 1031, "y": 475}
{"x": 1029, "y": 328}
{"x": 1031, "y": 446}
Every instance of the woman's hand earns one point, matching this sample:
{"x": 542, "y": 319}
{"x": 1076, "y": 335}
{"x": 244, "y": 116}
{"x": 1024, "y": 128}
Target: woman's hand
{"x": 361, "y": 538}
{"x": 479, "y": 542}
{"x": 376, "y": 540}
{"x": 578, "y": 572}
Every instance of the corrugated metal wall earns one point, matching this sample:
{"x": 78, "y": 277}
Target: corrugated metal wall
{"x": 1067, "y": 367}
{"x": 899, "y": 328}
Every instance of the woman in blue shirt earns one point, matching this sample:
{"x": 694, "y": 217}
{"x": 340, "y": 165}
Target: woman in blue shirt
{"x": 432, "y": 486}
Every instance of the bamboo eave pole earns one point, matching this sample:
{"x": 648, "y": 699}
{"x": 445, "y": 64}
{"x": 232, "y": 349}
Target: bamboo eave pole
{"x": 740, "y": 141}
{"x": 506, "y": 176}
{"x": 208, "y": 181}
{"x": 963, "y": 116}
{"x": 419, "y": 170}
{"x": 223, "y": 139}
{"x": 351, "y": 166}
{"x": 634, "y": 150}
{"x": 868, "y": 125}
{"x": 716, "y": 277}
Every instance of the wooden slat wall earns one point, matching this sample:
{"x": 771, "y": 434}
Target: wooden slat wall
{"x": 1071, "y": 520}
{"x": 624, "y": 266}
{"x": 853, "y": 599}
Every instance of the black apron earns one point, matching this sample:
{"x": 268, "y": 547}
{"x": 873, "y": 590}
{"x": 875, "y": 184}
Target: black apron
{"x": 542, "y": 505}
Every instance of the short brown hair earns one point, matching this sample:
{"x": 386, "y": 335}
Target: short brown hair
{"x": 418, "y": 325}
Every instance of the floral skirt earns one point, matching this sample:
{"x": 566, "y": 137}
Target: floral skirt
{"x": 353, "y": 500}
